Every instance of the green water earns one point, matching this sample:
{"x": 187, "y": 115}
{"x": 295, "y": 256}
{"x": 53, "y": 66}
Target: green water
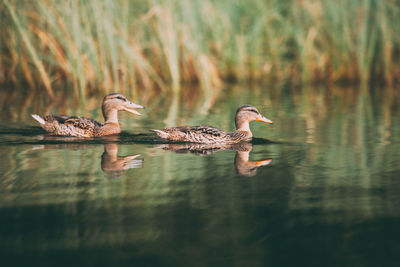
{"x": 327, "y": 195}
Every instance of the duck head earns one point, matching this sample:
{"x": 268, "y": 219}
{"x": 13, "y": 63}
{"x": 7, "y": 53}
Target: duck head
{"x": 114, "y": 102}
{"x": 246, "y": 114}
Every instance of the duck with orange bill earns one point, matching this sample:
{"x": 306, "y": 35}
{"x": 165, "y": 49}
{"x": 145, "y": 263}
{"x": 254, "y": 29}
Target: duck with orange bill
{"x": 84, "y": 127}
{"x": 210, "y": 135}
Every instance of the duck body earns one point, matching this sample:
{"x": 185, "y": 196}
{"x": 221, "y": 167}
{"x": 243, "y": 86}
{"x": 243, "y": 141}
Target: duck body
{"x": 203, "y": 135}
{"x": 85, "y": 127}
{"x": 212, "y": 135}
{"x": 75, "y": 126}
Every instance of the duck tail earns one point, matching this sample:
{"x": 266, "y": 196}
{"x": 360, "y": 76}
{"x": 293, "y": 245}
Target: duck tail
{"x": 39, "y": 119}
{"x": 161, "y": 133}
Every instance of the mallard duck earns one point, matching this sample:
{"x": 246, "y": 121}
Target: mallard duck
{"x": 211, "y": 135}
{"x": 84, "y": 127}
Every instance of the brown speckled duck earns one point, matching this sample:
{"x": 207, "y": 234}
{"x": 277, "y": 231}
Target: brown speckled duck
{"x": 84, "y": 127}
{"x": 211, "y": 135}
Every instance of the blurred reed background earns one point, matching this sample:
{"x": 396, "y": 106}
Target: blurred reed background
{"x": 153, "y": 47}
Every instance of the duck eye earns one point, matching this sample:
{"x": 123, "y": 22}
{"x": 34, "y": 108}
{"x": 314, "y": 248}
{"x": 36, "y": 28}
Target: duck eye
{"x": 253, "y": 110}
{"x": 121, "y": 98}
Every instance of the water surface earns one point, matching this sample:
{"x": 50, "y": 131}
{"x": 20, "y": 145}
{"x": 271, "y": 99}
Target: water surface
{"x": 326, "y": 191}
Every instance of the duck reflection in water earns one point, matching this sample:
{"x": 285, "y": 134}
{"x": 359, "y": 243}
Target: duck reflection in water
{"x": 243, "y": 165}
{"x": 246, "y": 167}
{"x": 114, "y": 165}
{"x": 111, "y": 164}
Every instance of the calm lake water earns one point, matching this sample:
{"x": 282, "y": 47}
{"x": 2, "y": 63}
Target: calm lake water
{"x": 328, "y": 193}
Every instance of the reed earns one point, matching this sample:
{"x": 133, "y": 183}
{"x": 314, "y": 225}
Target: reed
{"x": 155, "y": 46}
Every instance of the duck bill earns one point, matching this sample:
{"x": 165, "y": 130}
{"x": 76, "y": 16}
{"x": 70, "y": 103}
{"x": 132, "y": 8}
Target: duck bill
{"x": 262, "y": 162}
{"x": 263, "y": 119}
{"x": 132, "y": 157}
{"x": 130, "y": 110}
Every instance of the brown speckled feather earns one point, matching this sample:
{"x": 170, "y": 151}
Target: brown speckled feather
{"x": 71, "y": 125}
{"x": 202, "y": 134}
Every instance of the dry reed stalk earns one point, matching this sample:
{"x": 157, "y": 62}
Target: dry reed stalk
{"x": 38, "y": 63}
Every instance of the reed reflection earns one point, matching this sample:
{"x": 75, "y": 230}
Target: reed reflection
{"x": 243, "y": 165}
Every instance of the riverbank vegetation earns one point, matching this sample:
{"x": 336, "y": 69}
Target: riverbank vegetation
{"x": 129, "y": 46}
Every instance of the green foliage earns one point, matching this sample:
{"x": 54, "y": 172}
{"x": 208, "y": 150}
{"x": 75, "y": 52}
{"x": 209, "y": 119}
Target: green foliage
{"x": 130, "y": 46}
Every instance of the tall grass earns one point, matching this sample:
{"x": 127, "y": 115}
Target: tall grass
{"x": 154, "y": 45}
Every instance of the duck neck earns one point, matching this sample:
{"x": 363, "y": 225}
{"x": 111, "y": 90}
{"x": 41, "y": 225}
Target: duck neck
{"x": 109, "y": 156}
{"x": 242, "y": 156}
{"x": 110, "y": 152}
{"x": 110, "y": 116}
{"x": 243, "y": 126}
